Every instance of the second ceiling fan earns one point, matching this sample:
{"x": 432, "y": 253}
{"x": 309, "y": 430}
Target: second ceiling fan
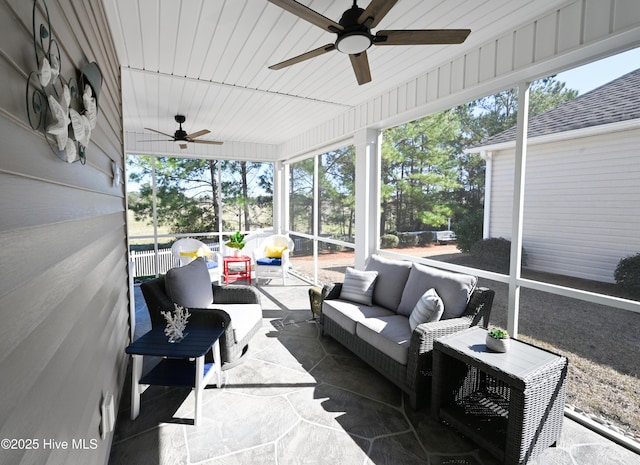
{"x": 181, "y": 137}
{"x": 355, "y": 37}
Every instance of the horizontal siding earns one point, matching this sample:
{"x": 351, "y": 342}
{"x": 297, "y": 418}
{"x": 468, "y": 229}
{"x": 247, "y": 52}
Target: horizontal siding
{"x": 556, "y": 39}
{"x": 63, "y": 284}
{"x": 581, "y": 206}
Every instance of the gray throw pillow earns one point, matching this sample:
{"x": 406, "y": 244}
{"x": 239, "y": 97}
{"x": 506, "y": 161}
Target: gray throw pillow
{"x": 392, "y": 276}
{"x": 428, "y": 309}
{"x": 190, "y": 285}
{"x": 453, "y": 288}
{"x": 358, "y": 286}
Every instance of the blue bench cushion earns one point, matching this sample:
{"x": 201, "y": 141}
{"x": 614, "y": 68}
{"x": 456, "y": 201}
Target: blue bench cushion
{"x": 269, "y": 261}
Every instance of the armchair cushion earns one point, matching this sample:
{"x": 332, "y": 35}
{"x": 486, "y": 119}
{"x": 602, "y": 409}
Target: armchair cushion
{"x": 428, "y": 309}
{"x": 392, "y": 276}
{"x": 358, "y": 286}
{"x": 266, "y": 261}
{"x": 190, "y": 285}
{"x": 453, "y": 288}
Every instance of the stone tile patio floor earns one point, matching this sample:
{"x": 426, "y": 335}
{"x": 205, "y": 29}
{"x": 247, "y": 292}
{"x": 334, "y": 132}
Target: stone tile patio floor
{"x": 301, "y": 398}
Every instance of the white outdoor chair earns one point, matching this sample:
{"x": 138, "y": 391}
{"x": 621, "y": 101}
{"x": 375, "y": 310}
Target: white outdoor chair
{"x": 186, "y": 250}
{"x": 272, "y": 257}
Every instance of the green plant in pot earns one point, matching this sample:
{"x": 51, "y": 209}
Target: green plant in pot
{"x": 236, "y": 241}
{"x": 497, "y": 340}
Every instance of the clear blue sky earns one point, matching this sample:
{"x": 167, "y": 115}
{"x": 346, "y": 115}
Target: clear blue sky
{"x": 588, "y": 77}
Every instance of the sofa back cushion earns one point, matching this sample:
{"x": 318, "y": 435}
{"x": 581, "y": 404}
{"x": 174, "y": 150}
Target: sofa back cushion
{"x": 453, "y": 288}
{"x": 392, "y": 277}
{"x": 190, "y": 285}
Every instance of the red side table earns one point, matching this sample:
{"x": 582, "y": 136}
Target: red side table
{"x": 237, "y": 274}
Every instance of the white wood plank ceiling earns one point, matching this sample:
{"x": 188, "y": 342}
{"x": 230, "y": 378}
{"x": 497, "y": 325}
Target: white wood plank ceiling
{"x": 208, "y": 60}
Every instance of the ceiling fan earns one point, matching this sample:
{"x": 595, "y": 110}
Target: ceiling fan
{"x": 355, "y": 37}
{"x": 182, "y": 138}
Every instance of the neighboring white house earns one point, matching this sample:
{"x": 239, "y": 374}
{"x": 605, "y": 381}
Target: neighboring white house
{"x": 582, "y": 192}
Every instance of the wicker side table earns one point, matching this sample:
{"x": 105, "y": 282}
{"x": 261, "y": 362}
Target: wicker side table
{"x": 315, "y": 300}
{"x": 511, "y": 404}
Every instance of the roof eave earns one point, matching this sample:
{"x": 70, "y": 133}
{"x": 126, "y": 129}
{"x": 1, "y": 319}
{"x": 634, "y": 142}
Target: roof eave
{"x": 560, "y": 136}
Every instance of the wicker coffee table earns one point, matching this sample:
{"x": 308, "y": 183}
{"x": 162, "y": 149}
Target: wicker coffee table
{"x": 511, "y": 404}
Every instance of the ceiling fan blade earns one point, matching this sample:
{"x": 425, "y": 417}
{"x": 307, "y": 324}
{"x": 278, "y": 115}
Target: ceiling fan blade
{"x": 306, "y": 13}
{"x": 212, "y": 142}
{"x": 163, "y": 133}
{"x": 156, "y": 140}
{"x": 202, "y": 132}
{"x": 183, "y": 146}
{"x": 305, "y": 56}
{"x": 376, "y": 10}
{"x": 360, "y": 63}
{"x": 421, "y": 37}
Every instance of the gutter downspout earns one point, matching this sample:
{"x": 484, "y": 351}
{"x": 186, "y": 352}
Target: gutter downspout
{"x": 488, "y": 187}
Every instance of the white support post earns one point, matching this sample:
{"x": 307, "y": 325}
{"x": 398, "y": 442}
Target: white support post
{"x": 518, "y": 207}
{"x": 219, "y": 200}
{"x": 316, "y": 215}
{"x": 368, "y": 143}
{"x": 154, "y": 210}
{"x": 278, "y": 196}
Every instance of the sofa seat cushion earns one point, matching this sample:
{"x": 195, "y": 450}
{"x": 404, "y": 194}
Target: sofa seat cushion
{"x": 346, "y": 314}
{"x": 243, "y": 317}
{"x": 389, "y": 334}
{"x": 392, "y": 276}
{"x": 454, "y": 289}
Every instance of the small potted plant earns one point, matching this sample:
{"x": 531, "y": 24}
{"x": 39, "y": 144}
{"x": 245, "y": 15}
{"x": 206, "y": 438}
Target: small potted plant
{"x": 236, "y": 241}
{"x": 497, "y": 340}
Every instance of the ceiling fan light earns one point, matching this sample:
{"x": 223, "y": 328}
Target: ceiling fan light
{"x": 179, "y": 142}
{"x": 355, "y": 43}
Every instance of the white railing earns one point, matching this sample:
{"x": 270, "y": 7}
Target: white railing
{"x": 144, "y": 263}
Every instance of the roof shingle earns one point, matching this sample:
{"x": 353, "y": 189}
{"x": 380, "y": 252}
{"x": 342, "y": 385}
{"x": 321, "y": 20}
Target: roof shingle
{"x": 616, "y": 101}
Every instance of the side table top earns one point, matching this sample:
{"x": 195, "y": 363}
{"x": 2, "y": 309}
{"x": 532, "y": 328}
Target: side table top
{"x": 196, "y": 343}
{"x": 521, "y": 361}
{"x": 233, "y": 258}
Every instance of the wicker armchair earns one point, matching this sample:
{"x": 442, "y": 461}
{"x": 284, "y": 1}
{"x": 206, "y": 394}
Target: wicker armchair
{"x": 414, "y": 378}
{"x": 231, "y": 348}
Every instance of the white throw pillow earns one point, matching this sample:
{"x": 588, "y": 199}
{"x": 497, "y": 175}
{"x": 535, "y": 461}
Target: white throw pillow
{"x": 428, "y": 309}
{"x": 358, "y": 286}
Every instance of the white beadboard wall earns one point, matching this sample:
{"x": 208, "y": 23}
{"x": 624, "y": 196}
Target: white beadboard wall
{"x": 581, "y": 206}
{"x": 559, "y": 39}
{"x": 63, "y": 280}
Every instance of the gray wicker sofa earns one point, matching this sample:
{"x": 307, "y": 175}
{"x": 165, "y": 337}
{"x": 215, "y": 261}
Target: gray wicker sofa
{"x": 379, "y": 331}
{"x": 236, "y": 308}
